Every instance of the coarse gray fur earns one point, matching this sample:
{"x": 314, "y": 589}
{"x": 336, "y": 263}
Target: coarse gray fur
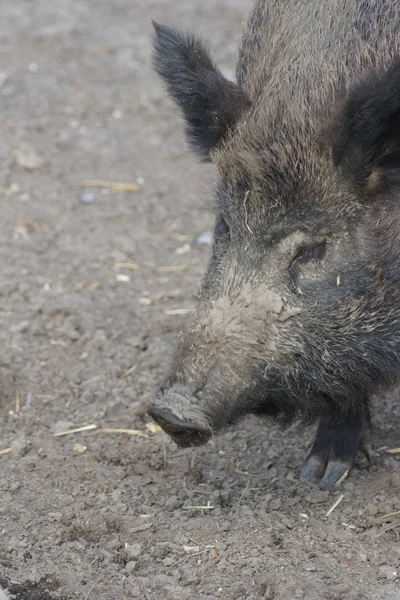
{"x": 299, "y": 311}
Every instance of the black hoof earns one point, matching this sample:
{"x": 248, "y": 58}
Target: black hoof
{"x": 335, "y": 449}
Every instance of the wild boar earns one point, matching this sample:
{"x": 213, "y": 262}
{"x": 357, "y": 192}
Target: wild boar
{"x": 299, "y": 310}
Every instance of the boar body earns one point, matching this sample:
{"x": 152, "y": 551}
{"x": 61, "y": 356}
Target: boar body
{"x": 299, "y": 310}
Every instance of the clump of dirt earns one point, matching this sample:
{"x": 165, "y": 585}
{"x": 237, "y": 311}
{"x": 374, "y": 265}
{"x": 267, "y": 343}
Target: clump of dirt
{"x": 94, "y": 283}
{"x": 45, "y": 589}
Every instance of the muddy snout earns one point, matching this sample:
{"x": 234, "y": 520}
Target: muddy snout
{"x": 181, "y": 420}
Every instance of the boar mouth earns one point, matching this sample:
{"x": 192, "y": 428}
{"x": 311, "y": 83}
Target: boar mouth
{"x": 184, "y": 433}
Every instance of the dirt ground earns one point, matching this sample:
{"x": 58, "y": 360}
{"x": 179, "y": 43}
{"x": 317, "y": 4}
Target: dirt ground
{"x": 107, "y": 515}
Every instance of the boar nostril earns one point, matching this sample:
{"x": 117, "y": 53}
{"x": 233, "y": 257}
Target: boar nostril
{"x": 182, "y": 432}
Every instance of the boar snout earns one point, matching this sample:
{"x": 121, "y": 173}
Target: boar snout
{"x": 174, "y": 412}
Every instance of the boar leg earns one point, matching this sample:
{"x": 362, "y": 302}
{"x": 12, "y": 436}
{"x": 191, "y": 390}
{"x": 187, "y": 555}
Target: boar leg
{"x": 336, "y": 446}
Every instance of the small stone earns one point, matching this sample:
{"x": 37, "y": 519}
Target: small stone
{"x": 134, "y": 591}
{"x": 371, "y": 509}
{"x": 113, "y": 544}
{"x": 80, "y": 449}
{"x": 87, "y": 197}
{"x": 317, "y": 496}
{"x": 204, "y": 239}
{"x": 131, "y": 566}
{"x": 133, "y": 551}
{"x": 168, "y": 561}
{"x": 27, "y": 158}
{"x": 275, "y": 504}
{"x": 54, "y": 516}
{"x": 172, "y": 503}
{"x": 387, "y": 572}
{"x": 19, "y": 447}
{"x": 14, "y": 189}
{"x": 122, "y": 278}
{"x": 20, "y": 327}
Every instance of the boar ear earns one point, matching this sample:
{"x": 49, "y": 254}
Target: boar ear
{"x": 210, "y": 103}
{"x": 367, "y": 144}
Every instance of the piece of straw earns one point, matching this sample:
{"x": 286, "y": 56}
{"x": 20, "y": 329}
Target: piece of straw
{"x": 77, "y": 430}
{"x": 136, "y": 432}
{"x": 332, "y": 508}
{"x": 115, "y": 186}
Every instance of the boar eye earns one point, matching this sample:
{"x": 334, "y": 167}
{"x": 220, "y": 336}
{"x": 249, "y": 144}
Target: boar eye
{"x": 222, "y": 227}
{"x": 221, "y": 231}
{"x": 307, "y": 253}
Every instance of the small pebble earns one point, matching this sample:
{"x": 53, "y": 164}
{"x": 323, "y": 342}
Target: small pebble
{"x": 80, "y": 449}
{"x": 87, "y": 197}
{"x": 317, "y": 496}
{"x": 122, "y": 278}
{"x": 54, "y": 516}
{"x": 133, "y": 551}
{"x": 371, "y": 509}
{"x": 204, "y": 239}
{"x": 20, "y": 327}
{"x": 387, "y": 572}
{"x": 27, "y": 158}
{"x": 275, "y": 504}
{"x": 19, "y": 447}
{"x": 131, "y": 566}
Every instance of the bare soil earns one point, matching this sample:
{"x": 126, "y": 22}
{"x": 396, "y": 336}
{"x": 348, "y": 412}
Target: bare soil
{"x": 110, "y": 515}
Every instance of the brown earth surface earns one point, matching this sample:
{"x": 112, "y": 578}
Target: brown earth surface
{"x": 110, "y": 515}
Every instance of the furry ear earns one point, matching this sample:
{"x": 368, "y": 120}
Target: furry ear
{"x": 210, "y": 103}
{"x": 367, "y": 139}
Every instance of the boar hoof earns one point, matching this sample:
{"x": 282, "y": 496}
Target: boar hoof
{"x": 183, "y": 433}
{"x": 335, "y": 448}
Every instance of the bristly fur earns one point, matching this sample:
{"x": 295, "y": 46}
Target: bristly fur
{"x": 313, "y": 159}
{"x": 367, "y": 139}
{"x": 210, "y": 103}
